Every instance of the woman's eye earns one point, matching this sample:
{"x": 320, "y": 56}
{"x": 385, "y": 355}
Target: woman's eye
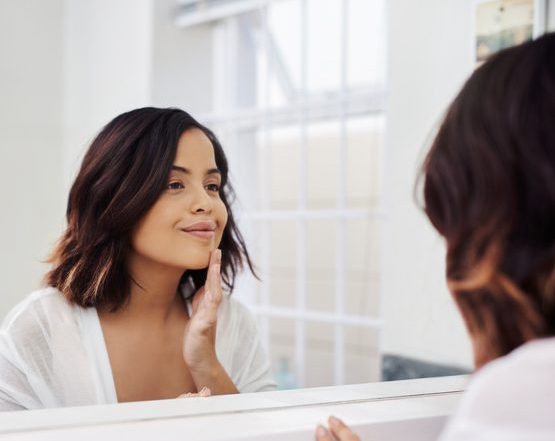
{"x": 213, "y": 187}
{"x": 175, "y": 186}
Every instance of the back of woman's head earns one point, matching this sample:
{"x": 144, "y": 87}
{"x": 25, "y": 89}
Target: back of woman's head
{"x": 489, "y": 190}
{"x": 122, "y": 175}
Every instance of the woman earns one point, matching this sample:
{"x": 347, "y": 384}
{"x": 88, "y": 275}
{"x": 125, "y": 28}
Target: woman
{"x": 489, "y": 190}
{"x": 130, "y": 311}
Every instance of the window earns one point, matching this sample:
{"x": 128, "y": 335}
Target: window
{"x": 299, "y": 105}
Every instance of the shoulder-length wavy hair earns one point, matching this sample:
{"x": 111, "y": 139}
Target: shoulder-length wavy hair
{"x": 123, "y": 173}
{"x": 489, "y": 190}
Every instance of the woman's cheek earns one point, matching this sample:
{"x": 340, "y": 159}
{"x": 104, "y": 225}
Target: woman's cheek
{"x": 222, "y": 220}
{"x": 223, "y": 215}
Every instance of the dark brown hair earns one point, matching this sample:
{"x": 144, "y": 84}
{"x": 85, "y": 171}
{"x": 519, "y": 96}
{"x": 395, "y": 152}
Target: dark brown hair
{"x": 489, "y": 190}
{"x": 122, "y": 175}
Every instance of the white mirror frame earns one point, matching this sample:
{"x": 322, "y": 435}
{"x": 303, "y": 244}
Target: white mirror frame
{"x": 387, "y": 410}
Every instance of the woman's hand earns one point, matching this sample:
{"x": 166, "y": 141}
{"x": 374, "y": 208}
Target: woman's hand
{"x": 199, "y": 341}
{"x": 204, "y": 392}
{"x": 337, "y": 431}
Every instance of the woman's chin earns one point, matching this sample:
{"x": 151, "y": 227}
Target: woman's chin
{"x": 198, "y": 262}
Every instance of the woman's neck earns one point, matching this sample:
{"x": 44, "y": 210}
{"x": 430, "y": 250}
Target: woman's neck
{"x": 153, "y": 290}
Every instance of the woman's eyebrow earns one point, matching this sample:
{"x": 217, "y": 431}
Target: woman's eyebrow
{"x": 210, "y": 171}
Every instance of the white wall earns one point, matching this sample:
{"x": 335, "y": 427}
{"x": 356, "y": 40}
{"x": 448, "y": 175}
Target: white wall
{"x": 67, "y": 68}
{"x": 125, "y": 54}
{"x": 30, "y": 142}
{"x": 181, "y": 63}
{"x": 429, "y": 57}
{"x": 107, "y": 68}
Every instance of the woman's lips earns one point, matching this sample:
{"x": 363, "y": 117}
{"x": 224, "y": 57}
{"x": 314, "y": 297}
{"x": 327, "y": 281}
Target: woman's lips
{"x": 201, "y": 229}
{"x": 203, "y": 234}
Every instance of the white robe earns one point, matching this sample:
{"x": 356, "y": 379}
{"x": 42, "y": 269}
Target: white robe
{"x": 510, "y": 399}
{"x": 53, "y": 354}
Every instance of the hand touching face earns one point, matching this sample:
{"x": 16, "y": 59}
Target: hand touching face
{"x": 199, "y": 341}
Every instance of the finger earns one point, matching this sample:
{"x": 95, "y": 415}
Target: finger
{"x": 205, "y": 314}
{"x": 188, "y": 395}
{"x": 197, "y": 298}
{"x": 322, "y": 434}
{"x": 340, "y": 430}
{"x": 192, "y": 395}
{"x": 213, "y": 278}
{"x": 204, "y": 392}
{"x": 206, "y": 301}
{"x": 214, "y": 284}
{"x": 215, "y": 257}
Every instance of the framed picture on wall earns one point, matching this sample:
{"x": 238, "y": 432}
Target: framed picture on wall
{"x": 499, "y": 24}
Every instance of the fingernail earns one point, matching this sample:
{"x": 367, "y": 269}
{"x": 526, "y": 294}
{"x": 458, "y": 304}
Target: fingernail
{"x": 218, "y": 256}
{"x": 321, "y": 430}
{"x": 334, "y": 421}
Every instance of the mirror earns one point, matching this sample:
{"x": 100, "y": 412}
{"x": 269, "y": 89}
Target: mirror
{"x": 324, "y": 109}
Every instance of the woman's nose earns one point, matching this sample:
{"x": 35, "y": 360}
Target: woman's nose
{"x": 201, "y": 201}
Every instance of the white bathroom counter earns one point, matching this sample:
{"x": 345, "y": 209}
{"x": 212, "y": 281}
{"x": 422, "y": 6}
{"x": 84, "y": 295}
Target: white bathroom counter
{"x": 387, "y": 410}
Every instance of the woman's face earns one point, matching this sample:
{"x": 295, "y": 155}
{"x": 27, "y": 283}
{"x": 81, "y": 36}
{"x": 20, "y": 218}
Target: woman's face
{"x": 188, "y": 219}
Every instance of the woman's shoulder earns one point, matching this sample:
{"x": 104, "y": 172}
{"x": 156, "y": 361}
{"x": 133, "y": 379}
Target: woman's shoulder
{"x": 240, "y": 349}
{"x": 39, "y": 309}
{"x": 236, "y": 323}
{"x": 514, "y": 393}
{"x": 235, "y": 311}
{"x": 527, "y": 370}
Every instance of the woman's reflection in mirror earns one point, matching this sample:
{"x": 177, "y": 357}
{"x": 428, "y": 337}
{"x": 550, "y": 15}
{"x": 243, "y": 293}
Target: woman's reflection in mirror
{"x": 136, "y": 304}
